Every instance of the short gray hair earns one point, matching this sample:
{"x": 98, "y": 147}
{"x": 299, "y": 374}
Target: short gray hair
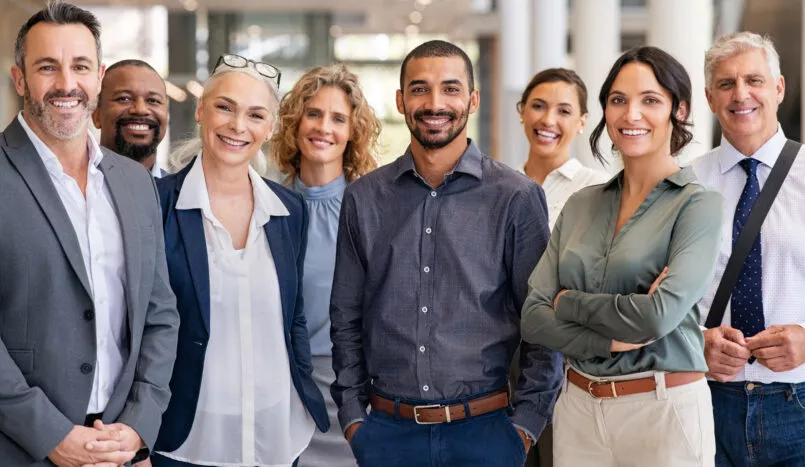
{"x": 734, "y": 44}
{"x": 57, "y": 12}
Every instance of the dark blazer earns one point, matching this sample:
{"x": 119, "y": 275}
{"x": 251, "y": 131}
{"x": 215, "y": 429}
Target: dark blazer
{"x": 47, "y": 316}
{"x": 186, "y": 251}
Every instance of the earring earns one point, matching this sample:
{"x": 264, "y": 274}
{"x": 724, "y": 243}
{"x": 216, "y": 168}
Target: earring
{"x": 581, "y": 131}
{"x": 521, "y": 120}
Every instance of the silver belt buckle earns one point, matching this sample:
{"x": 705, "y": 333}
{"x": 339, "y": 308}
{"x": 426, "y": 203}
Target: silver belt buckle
{"x": 432, "y": 406}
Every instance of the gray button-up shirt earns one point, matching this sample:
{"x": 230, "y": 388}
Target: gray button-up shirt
{"x": 429, "y": 284}
{"x": 608, "y": 277}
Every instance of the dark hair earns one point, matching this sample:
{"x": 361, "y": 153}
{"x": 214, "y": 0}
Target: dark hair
{"x": 57, "y": 12}
{"x": 130, "y": 62}
{"x": 437, "y": 48}
{"x": 554, "y": 75}
{"x": 671, "y": 75}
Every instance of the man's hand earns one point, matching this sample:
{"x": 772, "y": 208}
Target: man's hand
{"x": 657, "y": 281}
{"x": 725, "y": 352}
{"x": 779, "y": 348}
{"x": 74, "y": 450}
{"x": 145, "y": 463}
{"x": 350, "y": 431}
{"x": 128, "y": 438}
{"x": 526, "y": 441}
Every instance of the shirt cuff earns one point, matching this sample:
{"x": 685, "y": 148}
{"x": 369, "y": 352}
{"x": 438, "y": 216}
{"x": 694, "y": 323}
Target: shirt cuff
{"x": 532, "y": 423}
{"x": 351, "y": 412}
{"x": 566, "y": 308}
{"x": 528, "y": 434}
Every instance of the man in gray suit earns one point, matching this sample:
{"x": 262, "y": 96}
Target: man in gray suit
{"x": 88, "y": 322}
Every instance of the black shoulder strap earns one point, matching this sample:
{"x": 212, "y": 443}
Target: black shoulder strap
{"x": 746, "y": 238}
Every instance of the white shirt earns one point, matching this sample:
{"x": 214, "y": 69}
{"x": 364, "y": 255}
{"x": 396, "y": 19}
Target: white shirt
{"x": 565, "y": 180}
{"x": 781, "y": 238}
{"x": 97, "y": 227}
{"x": 248, "y": 413}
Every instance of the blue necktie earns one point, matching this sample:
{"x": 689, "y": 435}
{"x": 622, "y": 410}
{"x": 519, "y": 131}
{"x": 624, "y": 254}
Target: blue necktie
{"x": 746, "y": 304}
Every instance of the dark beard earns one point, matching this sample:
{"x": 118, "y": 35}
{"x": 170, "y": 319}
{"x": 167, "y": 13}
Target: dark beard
{"x": 425, "y": 139}
{"x": 137, "y": 152}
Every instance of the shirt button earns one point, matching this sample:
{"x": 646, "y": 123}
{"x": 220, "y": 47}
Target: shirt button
{"x": 424, "y": 309}
{"x": 86, "y": 368}
{"x": 433, "y": 194}
{"x": 425, "y": 388}
{"x": 428, "y": 230}
{"x": 426, "y": 269}
{"x": 422, "y": 348}
{"x": 89, "y": 315}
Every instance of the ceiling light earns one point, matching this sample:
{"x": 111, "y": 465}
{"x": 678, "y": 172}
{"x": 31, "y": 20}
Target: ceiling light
{"x": 415, "y": 17}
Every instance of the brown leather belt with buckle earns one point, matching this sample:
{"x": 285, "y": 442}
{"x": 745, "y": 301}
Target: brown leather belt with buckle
{"x": 612, "y": 389}
{"x": 435, "y": 413}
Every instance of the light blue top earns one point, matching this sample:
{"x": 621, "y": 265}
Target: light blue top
{"x": 324, "y": 206}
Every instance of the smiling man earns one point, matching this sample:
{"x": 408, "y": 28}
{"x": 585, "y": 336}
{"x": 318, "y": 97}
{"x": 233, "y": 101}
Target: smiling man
{"x": 758, "y": 402}
{"x": 132, "y": 112}
{"x": 89, "y": 322}
{"x": 433, "y": 255}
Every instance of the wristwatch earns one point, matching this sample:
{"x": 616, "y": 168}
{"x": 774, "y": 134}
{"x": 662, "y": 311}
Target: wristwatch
{"x": 141, "y": 455}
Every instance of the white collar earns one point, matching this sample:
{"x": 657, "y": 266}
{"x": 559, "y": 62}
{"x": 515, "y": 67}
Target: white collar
{"x": 194, "y": 195}
{"x": 728, "y": 156}
{"x": 49, "y": 157}
{"x": 569, "y": 169}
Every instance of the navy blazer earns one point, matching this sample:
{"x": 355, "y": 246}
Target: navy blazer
{"x": 186, "y": 250}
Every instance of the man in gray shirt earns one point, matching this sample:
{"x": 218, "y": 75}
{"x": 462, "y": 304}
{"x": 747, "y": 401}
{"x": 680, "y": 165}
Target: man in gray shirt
{"x": 434, "y": 251}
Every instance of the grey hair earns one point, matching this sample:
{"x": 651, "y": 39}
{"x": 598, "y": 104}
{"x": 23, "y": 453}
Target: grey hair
{"x": 57, "y": 12}
{"x": 181, "y": 156}
{"x": 734, "y": 44}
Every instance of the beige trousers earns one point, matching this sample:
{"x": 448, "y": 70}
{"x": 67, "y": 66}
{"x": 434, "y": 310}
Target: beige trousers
{"x": 663, "y": 428}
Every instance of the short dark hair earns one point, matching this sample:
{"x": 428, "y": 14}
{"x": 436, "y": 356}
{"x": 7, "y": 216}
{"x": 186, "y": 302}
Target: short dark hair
{"x": 130, "y": 62}
{"x": 671, "y": 75}
{"x": 555, "y": 75}
{"x": 437, "y": 48}
{"x": 57, "y": 12}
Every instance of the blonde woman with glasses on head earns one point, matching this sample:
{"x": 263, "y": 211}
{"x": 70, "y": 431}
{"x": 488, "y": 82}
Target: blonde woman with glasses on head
{"x": 242, "y": 390}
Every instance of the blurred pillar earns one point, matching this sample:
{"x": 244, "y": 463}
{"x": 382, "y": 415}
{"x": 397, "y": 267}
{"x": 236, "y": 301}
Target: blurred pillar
{"x": 684, "y": 28}
{"x": 515, "y": 71}
{"x": 485, "y": 83}
{"x": 182, "y": 60}
{"x": 321, "y": 43}
{"x": 549, "y": 34}
{"x": 221, "y": 27}
{"x": 596, "y": 46}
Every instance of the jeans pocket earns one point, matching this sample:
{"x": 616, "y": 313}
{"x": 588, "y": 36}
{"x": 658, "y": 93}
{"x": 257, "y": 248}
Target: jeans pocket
{"x": 356, "y": 437}
{"x": 515, "y": 437}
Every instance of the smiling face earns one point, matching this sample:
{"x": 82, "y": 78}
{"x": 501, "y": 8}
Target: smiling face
{"x": 132, "y": 112}
{"x": 324, "y": 129}
{"x": 437, "y": 101}
{"x": 744, "y": 95}
{"x": 234, "y": 117}
{"x": 638, "y": 113}
{"x": 60, "y": 82}
{"x": 552, "y": 118}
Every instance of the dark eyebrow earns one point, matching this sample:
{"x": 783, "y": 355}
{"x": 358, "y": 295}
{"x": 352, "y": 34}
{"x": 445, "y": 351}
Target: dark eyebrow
{"x": 129, "y": 91}
{"x": 231, "y": 101}
{"x": 52, "y": 60}
{"x": 538, "y": 99}
{"x": 417, "y": 82}
{"x": 454, "y": 82}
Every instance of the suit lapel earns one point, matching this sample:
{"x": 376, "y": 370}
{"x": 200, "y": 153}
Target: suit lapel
{"x": 23, "y": 156}
{"x": 130, "y": 227}
{"x": 191, "y": 228}
{"x": 277, "y": 234}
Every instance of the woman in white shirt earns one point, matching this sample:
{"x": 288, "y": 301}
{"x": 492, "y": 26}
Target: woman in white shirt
{"x": 242, "y": 391}
{"x": 553, "y": 111}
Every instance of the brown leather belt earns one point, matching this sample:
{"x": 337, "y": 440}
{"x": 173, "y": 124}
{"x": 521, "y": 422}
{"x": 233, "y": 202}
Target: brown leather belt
{"x": 435, "y": 413}
{"x": 611, "y": 389}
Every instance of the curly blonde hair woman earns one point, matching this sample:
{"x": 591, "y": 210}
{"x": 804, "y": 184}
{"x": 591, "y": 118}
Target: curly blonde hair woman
{"x": 359, "y": 155}
{"x": 327, "y": 138}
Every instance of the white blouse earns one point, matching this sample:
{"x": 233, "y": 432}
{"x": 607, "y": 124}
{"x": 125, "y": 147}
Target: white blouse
{"x": 565, "y": 180}
{"x": 249, "y": 413}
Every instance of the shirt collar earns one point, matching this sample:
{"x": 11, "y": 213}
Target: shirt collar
{"x": 681, "y": 178}
{"x": 570, "y": 168}
{"x": 49, "y": 157}
{"x": 469, "y": 163}
{"x": 728, "y": 156}
{"x": 194, "y": 195}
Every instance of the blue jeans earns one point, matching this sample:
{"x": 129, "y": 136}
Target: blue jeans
{"x": 488, "y": 440}
{"x": 759, "y": 425}
{"x": 162, "y": 461}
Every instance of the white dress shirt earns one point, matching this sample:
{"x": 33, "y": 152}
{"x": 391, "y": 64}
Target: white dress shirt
{"x": 565, "y": 180}
{"x": 248, "y": 413}
{"x": 781, "y": 238}
{"x": 97, "y": 227}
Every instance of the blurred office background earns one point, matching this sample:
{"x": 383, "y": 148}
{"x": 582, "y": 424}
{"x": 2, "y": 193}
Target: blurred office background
{"x": 508, "y": 40}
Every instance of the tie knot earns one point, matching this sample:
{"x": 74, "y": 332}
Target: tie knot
{"x": 750, "y": 166}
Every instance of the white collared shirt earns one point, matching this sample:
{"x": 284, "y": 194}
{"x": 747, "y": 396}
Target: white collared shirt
{"x": 565, "y": 180}
{"x": 781, "y": 238}
{"x": 97, "y": 228}
{"x": 248, "y": 413}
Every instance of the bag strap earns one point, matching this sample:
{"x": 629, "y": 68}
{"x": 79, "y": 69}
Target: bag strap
{"x": 743, "y": 244}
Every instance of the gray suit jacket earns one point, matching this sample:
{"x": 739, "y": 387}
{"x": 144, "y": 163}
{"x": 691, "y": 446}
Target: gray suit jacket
{"x": 47, "y": 326}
